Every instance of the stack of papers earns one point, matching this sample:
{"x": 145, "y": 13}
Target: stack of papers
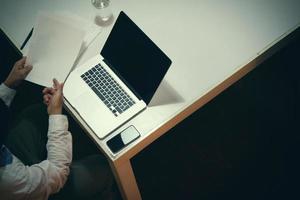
{"x": 57, "y": 41}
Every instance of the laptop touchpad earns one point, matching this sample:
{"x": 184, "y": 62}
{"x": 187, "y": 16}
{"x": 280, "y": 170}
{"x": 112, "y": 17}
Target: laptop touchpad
{"x": 91, "y": 108}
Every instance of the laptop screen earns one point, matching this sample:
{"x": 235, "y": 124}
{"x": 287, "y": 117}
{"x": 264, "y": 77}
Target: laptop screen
{"x": 135, "y": 58}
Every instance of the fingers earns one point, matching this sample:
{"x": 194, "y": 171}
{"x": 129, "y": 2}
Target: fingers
{"x": 21, "y": 62}
{"x": 26, "y": 70}
{"x": 53, "y": 98}
{"x": 52, "y": 95}
{"x": 55, "y": 83}
{"x": 21, "y": 68}
{"x": 61, "y": 86}
{"x": 48, "y": 91}
{"x": 45, "y": 90}
{"x": 47, "y": 99}
{"x": 58, "y": 86}
{"x": 52, "y": 90}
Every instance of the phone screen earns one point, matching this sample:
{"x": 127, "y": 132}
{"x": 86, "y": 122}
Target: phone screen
{"x": 124, "y": 138}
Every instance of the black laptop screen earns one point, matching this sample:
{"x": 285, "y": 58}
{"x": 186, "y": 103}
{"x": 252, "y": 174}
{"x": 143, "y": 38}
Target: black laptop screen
{"x": 135, "y": 58}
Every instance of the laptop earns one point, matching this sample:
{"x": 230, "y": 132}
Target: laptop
{"x": 111, "y": 88}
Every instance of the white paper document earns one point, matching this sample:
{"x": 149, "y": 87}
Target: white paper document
{"x": 53, "y": 49}
{"x": 91, "y": 29}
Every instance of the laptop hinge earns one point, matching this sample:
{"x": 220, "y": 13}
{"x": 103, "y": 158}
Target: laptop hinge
{"x": 123, "y": 79}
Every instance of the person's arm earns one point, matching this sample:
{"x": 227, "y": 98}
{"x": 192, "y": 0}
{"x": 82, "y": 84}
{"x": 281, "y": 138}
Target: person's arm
{"x": 43, "y": 179}
{"x": 40, "y": 180}
{"x": 59, "y": 145}
{"x": 49, "y": 176}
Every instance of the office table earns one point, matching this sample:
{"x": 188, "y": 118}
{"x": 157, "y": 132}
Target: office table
{"x": 212, "y": 45}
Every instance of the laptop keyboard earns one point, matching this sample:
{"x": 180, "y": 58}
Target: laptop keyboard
{"x": 107, "y": 89}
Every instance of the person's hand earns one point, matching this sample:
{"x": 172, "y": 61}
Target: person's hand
{"x": 53, "y": 98}
{"x": 18, "y": 73}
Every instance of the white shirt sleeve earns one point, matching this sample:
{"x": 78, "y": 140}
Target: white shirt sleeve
{"x": 38, "y": 181}
{"x": 7, "y": 94}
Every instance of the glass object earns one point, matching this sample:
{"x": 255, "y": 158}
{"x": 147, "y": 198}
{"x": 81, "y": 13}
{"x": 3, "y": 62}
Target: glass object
{"x": 103, "y": 6}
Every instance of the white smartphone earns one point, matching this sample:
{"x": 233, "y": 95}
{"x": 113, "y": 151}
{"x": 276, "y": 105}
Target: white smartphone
{"x": 121, "y": 140}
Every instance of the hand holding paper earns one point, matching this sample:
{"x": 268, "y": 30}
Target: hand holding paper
{"x": 18, "y": 73}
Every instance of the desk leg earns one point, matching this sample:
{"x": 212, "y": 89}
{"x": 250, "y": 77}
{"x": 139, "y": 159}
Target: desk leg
{"x": 126, "y": 180}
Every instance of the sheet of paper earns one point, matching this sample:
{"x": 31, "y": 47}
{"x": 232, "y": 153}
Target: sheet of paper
{"x": 53, "y": 49}
{"x": 91, "y": 29}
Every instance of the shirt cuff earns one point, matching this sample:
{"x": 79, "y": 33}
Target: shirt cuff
{"x": 7, "y": 94}
{"x": 58, "y": 123}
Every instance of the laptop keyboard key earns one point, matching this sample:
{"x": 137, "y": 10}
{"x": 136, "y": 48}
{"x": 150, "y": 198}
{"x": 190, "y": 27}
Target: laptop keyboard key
{"x": 98, "y": 93}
